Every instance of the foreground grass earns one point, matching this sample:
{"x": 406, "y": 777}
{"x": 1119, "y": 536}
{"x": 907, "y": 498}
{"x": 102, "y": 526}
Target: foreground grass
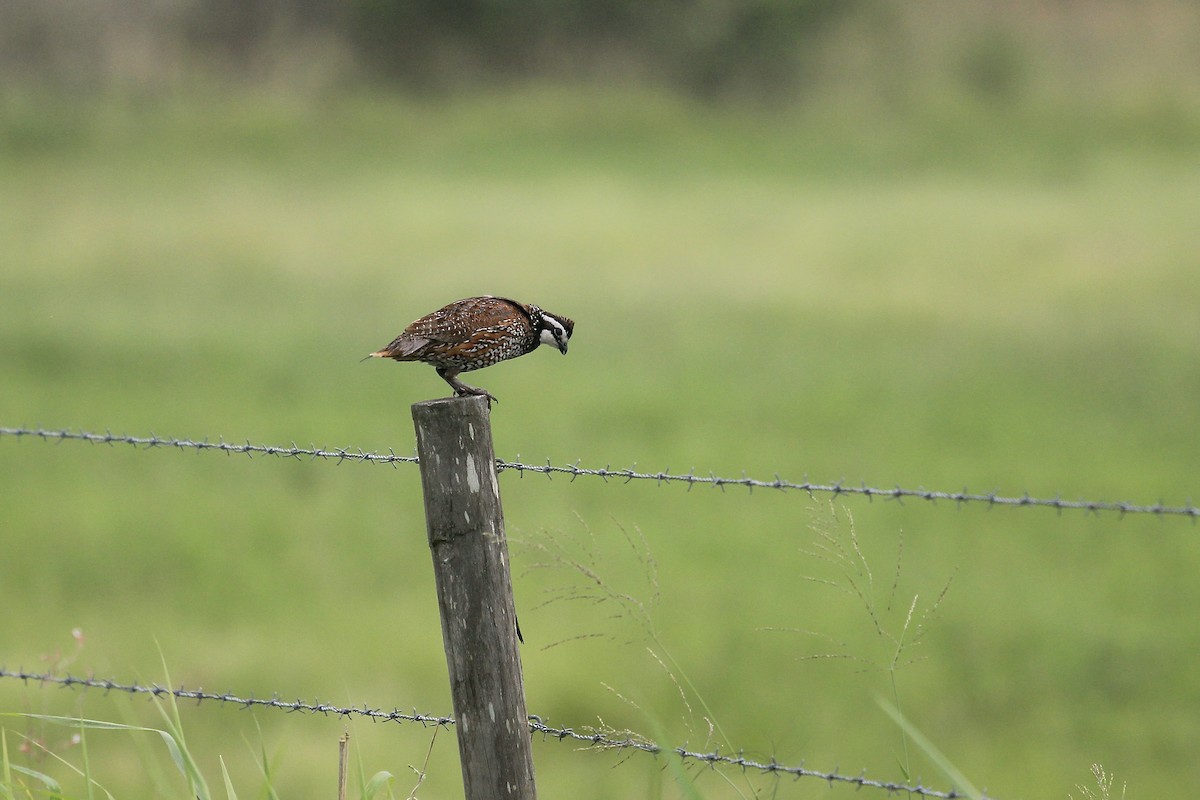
{"x": 929, "y": 303}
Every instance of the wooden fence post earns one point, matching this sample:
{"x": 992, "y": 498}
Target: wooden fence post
{"x": 479, "y": 627}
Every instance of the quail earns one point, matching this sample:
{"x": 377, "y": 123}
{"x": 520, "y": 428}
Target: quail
{"x": 474, "y": 333}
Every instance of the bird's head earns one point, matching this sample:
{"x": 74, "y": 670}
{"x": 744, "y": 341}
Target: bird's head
{"x": 553, "y": 329}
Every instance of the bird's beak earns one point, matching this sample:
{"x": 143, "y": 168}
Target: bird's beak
{"x": 562, "y": 346}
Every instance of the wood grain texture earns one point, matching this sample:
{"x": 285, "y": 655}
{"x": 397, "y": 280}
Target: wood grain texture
{"x": 470, "y": 560}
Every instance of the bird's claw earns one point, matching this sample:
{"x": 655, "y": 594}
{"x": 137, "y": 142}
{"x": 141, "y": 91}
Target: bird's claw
{"x": 471, "y": 391}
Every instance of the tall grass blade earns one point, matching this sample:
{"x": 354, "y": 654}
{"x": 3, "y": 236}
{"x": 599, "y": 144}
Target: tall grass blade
{"x": 8, "y": 768}
{"x": 936, "y": 756}
{"x": 378, "y": 781}
{"x": 176, "y": 744}
{"x": 229, "y": 791}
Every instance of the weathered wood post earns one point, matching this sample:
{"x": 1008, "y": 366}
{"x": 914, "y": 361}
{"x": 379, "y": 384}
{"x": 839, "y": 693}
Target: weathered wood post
{"x": 479, "y": 626}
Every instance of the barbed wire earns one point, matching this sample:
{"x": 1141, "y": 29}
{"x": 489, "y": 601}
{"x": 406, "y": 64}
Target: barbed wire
{"x": 870, "y": 492}
{"x": 625, "y": 475}
{"x": 250, "y": 701}
{"x": 220, "y": 445}
{"x": 594, "y": 738}
{"x": 716, "y": 758}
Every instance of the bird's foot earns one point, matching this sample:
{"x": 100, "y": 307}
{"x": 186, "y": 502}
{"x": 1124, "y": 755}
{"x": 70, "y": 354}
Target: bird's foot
{"x": 462, "y": 390}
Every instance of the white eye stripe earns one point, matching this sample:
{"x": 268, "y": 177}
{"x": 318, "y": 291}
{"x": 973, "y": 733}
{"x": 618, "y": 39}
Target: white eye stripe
{"x": 559, "y": 330}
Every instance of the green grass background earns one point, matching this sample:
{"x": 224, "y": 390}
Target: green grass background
{"x": 953, "y": 298}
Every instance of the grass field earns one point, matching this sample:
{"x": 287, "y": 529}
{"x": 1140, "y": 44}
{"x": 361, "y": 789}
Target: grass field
{"x": 1005, "y": 302}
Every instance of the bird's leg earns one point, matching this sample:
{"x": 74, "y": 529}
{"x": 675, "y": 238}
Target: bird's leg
{"x": 463, "y": 390}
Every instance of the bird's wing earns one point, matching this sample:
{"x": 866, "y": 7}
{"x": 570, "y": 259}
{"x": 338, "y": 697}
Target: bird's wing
{"x": 403, "y": 346}
{"x": 460, "y": 320}
{"x": 505, "y": 304}
{"x": 438, "y": 327}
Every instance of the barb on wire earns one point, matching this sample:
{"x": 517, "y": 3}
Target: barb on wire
{"x": 586, "y": 736}
{"x": 840, "y": 488}
{"x": 249, "y": 701}
{"x": 716, "y": 758}
{"x": 291, "y": 451}
{"x": 626, "y": 475}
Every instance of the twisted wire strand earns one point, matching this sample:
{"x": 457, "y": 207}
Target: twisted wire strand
{"x": 588, "y": 736}
{"x": 624, "y": 475}
{"x": 152, "y": 441}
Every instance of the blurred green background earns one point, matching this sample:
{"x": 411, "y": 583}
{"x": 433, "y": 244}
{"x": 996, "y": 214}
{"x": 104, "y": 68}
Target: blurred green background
{"x": 941, "y": 246}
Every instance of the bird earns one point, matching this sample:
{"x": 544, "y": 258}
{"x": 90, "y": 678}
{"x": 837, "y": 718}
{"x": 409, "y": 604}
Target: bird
{"x": 474, "y": 333}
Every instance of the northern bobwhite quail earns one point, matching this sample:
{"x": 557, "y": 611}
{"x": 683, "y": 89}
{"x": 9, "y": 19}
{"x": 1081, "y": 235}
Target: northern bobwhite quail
{"x": 475, "y": 333}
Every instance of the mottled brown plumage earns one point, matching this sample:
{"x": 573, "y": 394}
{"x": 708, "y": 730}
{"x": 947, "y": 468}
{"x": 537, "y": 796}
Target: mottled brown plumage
{"x": 475, "y": 333}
